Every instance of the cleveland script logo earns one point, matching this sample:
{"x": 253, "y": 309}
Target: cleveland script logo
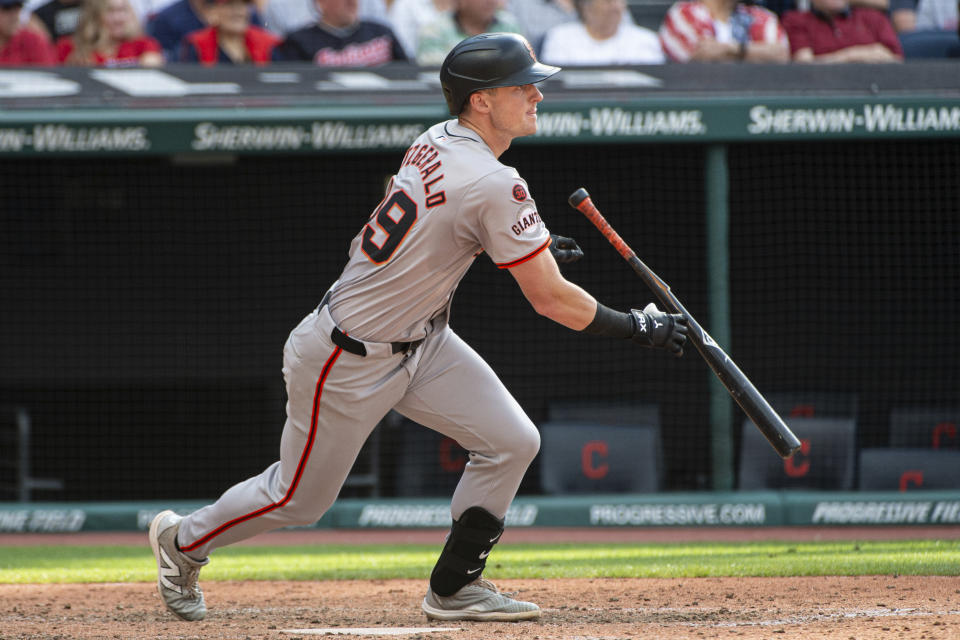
{"x": 363, "y": 54}
{"x": 519, "y": 193}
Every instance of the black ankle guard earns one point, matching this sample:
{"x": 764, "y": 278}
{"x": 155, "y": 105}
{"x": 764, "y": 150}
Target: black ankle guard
{"x": 465, "y": 554}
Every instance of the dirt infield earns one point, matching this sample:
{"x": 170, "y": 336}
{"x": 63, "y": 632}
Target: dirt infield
{"x": 863, "y": 608}
{"x": 841, "y": 608}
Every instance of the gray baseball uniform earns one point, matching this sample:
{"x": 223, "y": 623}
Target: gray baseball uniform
{"x": 381, "y": 341}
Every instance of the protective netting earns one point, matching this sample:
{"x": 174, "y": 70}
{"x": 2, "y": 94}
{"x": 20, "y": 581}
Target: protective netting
{"x": 845, "y": 260}
{"x": 145, "y": 303}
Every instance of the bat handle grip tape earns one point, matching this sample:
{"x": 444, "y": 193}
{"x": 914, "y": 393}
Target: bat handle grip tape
{"x": 580, "y": 200}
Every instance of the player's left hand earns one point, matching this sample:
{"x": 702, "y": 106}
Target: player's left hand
{"x": 564, "y": 249}
{"x": 658, "y": 329}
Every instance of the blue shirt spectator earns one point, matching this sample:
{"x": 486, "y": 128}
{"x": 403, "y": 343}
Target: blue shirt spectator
{"x": 169, "y": 26}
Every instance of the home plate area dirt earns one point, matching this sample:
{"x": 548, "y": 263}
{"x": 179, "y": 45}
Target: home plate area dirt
{"x": 860, "y": 608}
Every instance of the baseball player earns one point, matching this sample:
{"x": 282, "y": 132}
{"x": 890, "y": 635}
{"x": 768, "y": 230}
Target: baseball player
{"x": 380, "y": 340}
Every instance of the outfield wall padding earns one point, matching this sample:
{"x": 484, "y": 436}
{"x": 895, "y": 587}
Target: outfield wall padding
{"x": 733, "y": 509}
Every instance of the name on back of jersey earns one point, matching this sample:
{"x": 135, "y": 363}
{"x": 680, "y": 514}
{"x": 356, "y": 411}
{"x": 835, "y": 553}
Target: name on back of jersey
{"x": 425, "y": 159}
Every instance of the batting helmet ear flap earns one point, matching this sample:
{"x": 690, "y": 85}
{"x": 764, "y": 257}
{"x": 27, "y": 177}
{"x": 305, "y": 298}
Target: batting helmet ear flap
{"x": 487, "y": 61}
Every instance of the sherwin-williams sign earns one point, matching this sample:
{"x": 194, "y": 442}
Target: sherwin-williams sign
{"x": 303, "y": 109}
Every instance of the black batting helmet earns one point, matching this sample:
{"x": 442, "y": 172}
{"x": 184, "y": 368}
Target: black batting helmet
{"x": 487, "y": 61}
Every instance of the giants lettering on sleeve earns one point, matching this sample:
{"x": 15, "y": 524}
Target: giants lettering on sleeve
{"x": 424, "y": 158}
{"x": 525, "y": 222}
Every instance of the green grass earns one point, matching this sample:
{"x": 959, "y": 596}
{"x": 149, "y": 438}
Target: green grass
{"x": 136, "y": 564}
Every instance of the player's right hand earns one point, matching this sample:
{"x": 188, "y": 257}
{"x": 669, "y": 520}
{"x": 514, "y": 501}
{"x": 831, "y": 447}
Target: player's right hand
{"x": 660, "y": 330}
{"x": 564, "y": 249}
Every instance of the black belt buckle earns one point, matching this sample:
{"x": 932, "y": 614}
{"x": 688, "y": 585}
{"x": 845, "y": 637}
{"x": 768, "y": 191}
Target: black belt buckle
{"x": 347, "y": 343}
{"x": 356, "y": 347}
{"x": 404, "y": 347}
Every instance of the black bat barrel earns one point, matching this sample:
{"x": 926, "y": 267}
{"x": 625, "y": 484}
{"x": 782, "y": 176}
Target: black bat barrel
{"x": 768, "y": 421}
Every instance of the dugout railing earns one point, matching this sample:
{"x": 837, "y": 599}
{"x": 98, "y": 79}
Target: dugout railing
{"x": 163, "y": 230}
{"x": 17, "y": 482}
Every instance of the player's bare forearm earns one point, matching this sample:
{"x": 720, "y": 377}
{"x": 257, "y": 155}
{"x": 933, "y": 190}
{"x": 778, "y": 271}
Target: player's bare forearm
{"x": 553, "y": 296}
{"x": 571, "y": 306}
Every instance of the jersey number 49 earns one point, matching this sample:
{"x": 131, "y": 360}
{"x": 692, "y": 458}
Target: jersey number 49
{"x": 388, "y": 225}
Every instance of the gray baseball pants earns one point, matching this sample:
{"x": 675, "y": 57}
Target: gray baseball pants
{"x": 336, "y": 398}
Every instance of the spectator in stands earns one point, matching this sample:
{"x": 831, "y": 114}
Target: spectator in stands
{"x": 928, "y": 29}
{"x": 20, "y": 45}
{"x": 779, "y": 7}
{"x": 903, "y": 15}
{"x": 170, "y": 25}
{"x": 147, "y": 9}
{"x": 408, "y": 17}
{"x": 109, "y": 35}
{"x": 601, "y": 37}
{"x": 341, "y": 39}
{"x": 230, "y": 39}
{"x": 286, "y": 16}
{"x": 536, "y": 17}
{"x": 466, "y": 18}
{"x": 56, "y": 18}
{"x": 937, "y": 15}
{"x": 722, "y": 30}
{"x": 782, "y": 7}
{"x": 833, "y": 31}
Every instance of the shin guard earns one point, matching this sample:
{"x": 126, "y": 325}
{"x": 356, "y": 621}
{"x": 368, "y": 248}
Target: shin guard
{"x": 465, "y": 554}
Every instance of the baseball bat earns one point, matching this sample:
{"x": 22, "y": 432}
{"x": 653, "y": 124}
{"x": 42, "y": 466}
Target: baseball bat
{"x": 770, "y": 424}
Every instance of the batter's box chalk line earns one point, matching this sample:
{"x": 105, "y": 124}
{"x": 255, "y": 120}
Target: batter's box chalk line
{"x": 369, "y": 631}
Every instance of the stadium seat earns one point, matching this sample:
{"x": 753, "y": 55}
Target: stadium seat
{"x": 604, "y": 413}
{"x": 601, "y": 449}
{"x": 825, "y": 461}
{"x": 428, "y": 463}
{"x": 814, "y": 404}
{"x": 905, "y": 469}
{"x": 925, "y": 428}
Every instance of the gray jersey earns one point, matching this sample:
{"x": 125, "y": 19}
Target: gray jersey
{"x": 450, "y": 200}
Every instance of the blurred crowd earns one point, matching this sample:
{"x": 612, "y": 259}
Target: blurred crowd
{"x": 364, "y": 33}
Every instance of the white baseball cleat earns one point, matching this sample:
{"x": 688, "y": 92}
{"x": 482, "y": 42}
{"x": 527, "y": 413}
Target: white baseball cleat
{"x": 177, "y": 572}
{"x": 479, "y": 600}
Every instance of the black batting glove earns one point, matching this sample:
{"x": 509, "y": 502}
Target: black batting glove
{"x": 564, "y": 250}
{"x": 659, "y": 330}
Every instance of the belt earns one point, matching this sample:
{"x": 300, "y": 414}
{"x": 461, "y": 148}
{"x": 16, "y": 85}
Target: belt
{"x": 357, "y": 348}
